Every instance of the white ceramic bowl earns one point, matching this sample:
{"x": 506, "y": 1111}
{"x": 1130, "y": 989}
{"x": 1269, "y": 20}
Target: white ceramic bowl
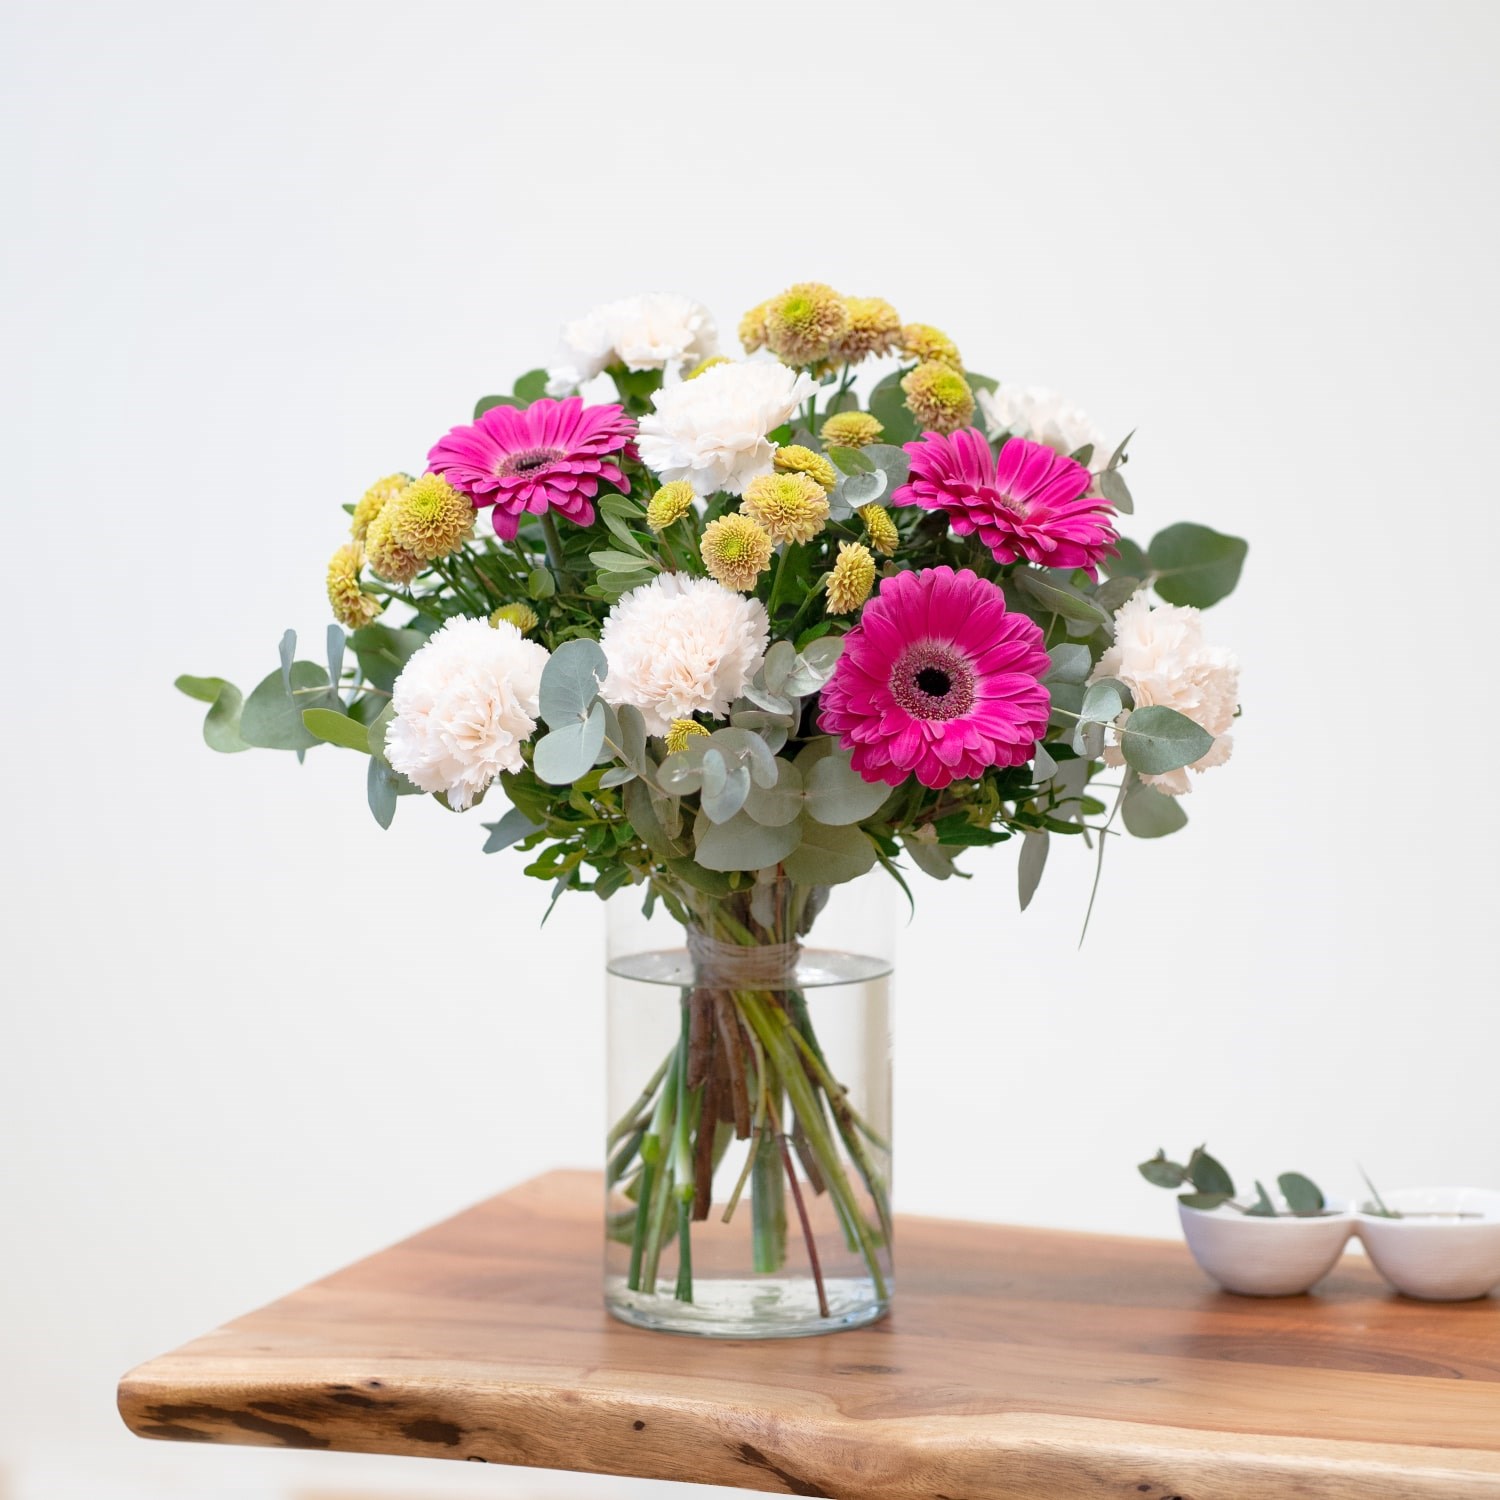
{"x": 1258, "y": 1257}
{"x": 1437, "y": 1259}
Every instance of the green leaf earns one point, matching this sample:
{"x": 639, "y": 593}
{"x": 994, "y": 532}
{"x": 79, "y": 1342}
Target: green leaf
{"x": 272, "y": 717}
{"x": 617, "y": 776}
{"x": 485, "y": 403}
{"x": 381, "y": 791}
{"x": 1032, "y": 862}
{"x": 531, "y": 386}
{"x": 743, "y": 747}
{"x": 1195, "y": 564}
{"x": 838, "y": 795}
{"x": 1129, "y": 561}
{"x": 725, "y": 787}
{"x": 377, "y": 731}
{"x": 743, "y": 844}
{"x": 980, "y": 382}
{"x": 569, "y": 751}
{"x": 570, "y": 684}
{"x": 1204, "y": 1201}
{"x": 1163, "y": 1173}
{"x": 623, "y": 535}
{"x": 888, "y": 406}
{"x": 632, "y": 735}
{"x": 1262, "y": 1208}
{"x": 1043, "y": 767}
{"x": 336, "y": 642}
{"x": 780, "y": 804}
{"x": 287, "y": 650}
{"x": 643, "y": 818}
{"x": 221, "y": 724}
{"x": 1208, "y": 1175}
{"x": 610, "y": 561}
{"x": 892, "y": 461}
{"x": 1156, "y": 739}
{"x": 1054, "y": 593}
{"x": 383, "y": 650}
{"x": 1105, "y": 700}
{"x": 1118, "y": 456}
{"x": 508, "y": 830}
{"x": 540, "y": 584}
{"x": 828, "y": 856}
{"x": 856, "y": 490}
{"x": 1303, "y": 1196}
{"x": 1114, "y": 489}
{"x": 851, "y": 460}
{"x": 1150, "y": 814}
{"x": 1071, "y": 663}
{"x": 1115, "y": 591}
{"x": 336, "y": 728}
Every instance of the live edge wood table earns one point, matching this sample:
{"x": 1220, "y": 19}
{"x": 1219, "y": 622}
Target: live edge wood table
{"x": 1018, "y": 1362}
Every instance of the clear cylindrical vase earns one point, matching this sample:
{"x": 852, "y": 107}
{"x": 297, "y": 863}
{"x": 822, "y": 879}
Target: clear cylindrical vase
{"x": 748, "y": 1162}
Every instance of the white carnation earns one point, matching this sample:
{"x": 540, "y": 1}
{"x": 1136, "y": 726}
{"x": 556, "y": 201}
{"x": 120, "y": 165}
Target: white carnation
{"x": 1161, "y": 656}
{"x": 1034, "y": 412}
{"x": 648, "y": 332}
{"x": 464, "y": 704}
{"x": 712, "y": 430}
{"x": 679, "y": 646}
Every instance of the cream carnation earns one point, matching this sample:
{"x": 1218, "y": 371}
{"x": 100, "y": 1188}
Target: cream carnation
{"x": 1161, "y": 656}
{"x": 712, "y": 431}
{"x": 648, "y": 332}
{"x": 464, "y": 704}
{"x": 680, "y": 646}
{"x": 1032, "y": 411}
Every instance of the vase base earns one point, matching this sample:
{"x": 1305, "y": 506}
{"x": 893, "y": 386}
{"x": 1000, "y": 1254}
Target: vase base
{"x": 769, "y": 1307}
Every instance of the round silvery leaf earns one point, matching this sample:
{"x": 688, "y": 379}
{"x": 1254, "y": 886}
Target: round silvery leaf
{"x": 780, "y": 804}
{"x": 828, "y": 856}
{"x": 682, "y": 771}
{"x": 1149, "y": 814}
{"x": 570, "y": 681}
{"x": 743, "y": 844}
{"x": 856, "y": 490}
{"x": 892, "y": 461}
{"x": 1156, "y": 739}
{"x": 779, "y": 661}
{"x": 742, "y": 746}
{"x": 837, "y": 794}
{"x": 568, "y": 753}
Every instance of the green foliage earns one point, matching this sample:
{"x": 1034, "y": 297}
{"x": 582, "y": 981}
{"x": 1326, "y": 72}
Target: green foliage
{"x": 1195, "y": 564}
{"x": 272, "y": 716}
{"x": 335, "y": 728}
{"x": 221, "y": 725}
{"x": 1155, "y": 740}
{"x": 1212, "y": 1186}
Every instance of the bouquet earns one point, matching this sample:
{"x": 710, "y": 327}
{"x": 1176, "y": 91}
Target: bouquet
{"x": 733, "y": 631}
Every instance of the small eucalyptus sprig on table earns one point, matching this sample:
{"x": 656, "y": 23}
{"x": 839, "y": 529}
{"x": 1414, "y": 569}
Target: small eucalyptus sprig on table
{"x": 1213, "y": 1187}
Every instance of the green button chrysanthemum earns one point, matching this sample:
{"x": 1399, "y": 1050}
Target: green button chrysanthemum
{"x": 938, "y": 397}
{"x": 736, "y": 551}
{"x": 795, "y": 459}
{"x": 851, "y": 429}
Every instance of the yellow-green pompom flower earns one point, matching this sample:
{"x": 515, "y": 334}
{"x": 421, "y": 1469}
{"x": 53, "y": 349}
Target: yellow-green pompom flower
{"x": 387, "y": 559}
{"x": 938, "y": 397}
{"x": 795, "y": 459}
{"x": 874, "y": 328}
{"x": 884, "y": 537}
{"x": 680, "y": 731}
{"x": 851, "y": 429}
{"x": 374, "y": 500}
{"x": 790, "y": 507}
{"x": 736, "y": 551}
{"x": 669, "y": 504}
{"x": 805, "y": 322}
{"x": 753, "y": 328}
{"x": 352, "y": 607}
{"x": 923, "y": 342}
{"x": 852, "y": 578}
{"x": 522, "y": 616}
{"x": 707, "y": 364}
{"x": 430, "y": 518}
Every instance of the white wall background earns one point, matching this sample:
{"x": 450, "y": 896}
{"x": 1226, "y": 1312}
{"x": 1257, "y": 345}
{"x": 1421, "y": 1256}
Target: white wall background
{"x": 256, "y": 255}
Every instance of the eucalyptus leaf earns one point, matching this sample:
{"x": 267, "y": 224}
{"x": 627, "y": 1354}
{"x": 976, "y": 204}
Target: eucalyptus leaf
{"x": 337, "y": 728}
{"x": 838, "y": 795}
{"x": 828, "y": 856}
{"x": 570, "y": 683}
{"x": 383, "y": 650}
{"x": 780, "y": 803}
{"x": 1195, "y": 564}
{"x": 1114, "y": 489}
{"x": 1207, "y": 1174}
{"x": 1157, "y": 739}
{"x": 892, "y": 461}
{"x": 1163, "y": 1173}
{"x": 1149, "y": 814}
{"x": 931, "y": 857}
{"x": 376, "y": 733}
{"x": 641, "y": 810}
{"x": 823, "y": 654}
{"x": 1129, "y": 560}
{"x": 1118, "y": 456}
{"x": 1054, "y": 593}
{"x": 1071, "y": 663}
{"x": 777, "y": 666}
{"x": 724, "y": 791}
{"x": 1088, "y": 739}
{"x": 488, "y": 403}
{"x": 531, "y": 386}
{"x": 1205, "y": 1201}
{"x": 1113, "y": 592}
{"x": 1303, "y": 1196}
{"x": 743, "y": 844}
{"x": 380, "y": 791}
{"x": 856, "y": 490}
{"x": 887, "y": 404}
{"x": 632, "y": 735}
{"x": 750, "y": 750}
{"x": 1105, "y": 700}
{"x": 851, "y": 460}
{"x": 1032, "y": 862}
{"x": 272, "y": 717}
{"x": 336, "y": 641}
{"x": 1262, "y": 1208}
{"x": 1043, "y": 767}
{"x": 681, "y": 773}
{"x": 773, "y": 703}
{"x": 508, "y": 830}
{"x": 287, "y": 651}
{"x": 569, "y": 751}
{"x": 617, "y": 776}
{"x": 221, "y": 724}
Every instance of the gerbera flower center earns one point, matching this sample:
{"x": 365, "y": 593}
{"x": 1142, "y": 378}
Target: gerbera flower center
{"x": 526, "y": 461}
{"x": 932, "y": 680}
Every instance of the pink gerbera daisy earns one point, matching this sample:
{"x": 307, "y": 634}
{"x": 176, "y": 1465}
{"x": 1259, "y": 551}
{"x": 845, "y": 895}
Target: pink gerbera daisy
{"x": 1028, "y": 504}
{"x": 938, "y": 680}
{"x": 550, "y": 455}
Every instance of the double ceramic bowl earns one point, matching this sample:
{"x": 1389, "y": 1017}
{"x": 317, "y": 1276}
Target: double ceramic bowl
{"x": 1444, "y": 1248}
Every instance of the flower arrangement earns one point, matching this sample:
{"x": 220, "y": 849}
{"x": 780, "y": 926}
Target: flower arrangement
{"x": 755, "y": 625}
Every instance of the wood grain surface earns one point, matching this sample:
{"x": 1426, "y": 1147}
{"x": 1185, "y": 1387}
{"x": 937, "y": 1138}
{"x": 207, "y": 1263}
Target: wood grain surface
{"x": 1017, "y": 1363}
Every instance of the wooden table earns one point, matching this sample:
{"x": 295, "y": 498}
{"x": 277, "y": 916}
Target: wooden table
{"x": 1018, "y": 1363}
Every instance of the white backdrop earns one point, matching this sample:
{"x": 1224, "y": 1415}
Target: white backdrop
{"x": 255, "y": 256}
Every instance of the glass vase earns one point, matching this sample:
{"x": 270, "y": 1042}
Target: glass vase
{"x": 749, "y": 1089}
